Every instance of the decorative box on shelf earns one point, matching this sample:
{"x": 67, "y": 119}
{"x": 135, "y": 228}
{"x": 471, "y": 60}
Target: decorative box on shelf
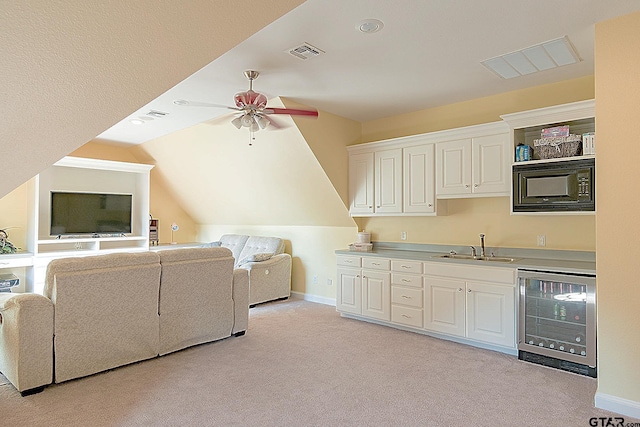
{"x": 552, "y": 147}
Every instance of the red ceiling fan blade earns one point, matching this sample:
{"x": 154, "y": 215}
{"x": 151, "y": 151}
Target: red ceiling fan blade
{"x": 291, "y": 111}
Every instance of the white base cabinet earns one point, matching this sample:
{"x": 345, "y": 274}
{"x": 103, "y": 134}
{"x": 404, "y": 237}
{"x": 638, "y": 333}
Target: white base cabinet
{"x": 467, "y": 303}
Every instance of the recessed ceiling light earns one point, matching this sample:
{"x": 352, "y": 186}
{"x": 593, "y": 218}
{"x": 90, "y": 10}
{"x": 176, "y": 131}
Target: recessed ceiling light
{"x": 370, "y": 26}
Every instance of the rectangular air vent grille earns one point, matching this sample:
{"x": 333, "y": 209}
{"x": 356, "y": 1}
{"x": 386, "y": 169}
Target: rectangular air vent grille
{"x": 304, "y": 51}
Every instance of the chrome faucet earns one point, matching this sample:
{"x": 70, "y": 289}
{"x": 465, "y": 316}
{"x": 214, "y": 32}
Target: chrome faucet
{"x": 473, "y": 251}
{"x": 482, "y": 254}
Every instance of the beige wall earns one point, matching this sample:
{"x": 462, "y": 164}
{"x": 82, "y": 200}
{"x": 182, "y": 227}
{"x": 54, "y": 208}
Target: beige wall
{"x": 618, "y": 228}
{"x": 467, "y": 218}
{"x": 162, "y": 203}
{"x": 70, "y": 70}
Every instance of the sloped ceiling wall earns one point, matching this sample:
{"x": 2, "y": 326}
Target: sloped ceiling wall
{"x": 70, "y": 70}
{"x": 219, "y": 178}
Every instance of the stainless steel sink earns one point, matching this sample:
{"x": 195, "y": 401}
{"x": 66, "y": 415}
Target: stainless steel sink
{"x": 477, "y": 258}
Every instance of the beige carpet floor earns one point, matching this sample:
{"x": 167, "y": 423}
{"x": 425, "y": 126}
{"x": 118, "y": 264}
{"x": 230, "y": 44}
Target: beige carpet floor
{"x": 301, "y": 364}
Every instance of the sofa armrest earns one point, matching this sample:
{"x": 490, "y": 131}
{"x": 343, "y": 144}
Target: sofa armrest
{"x": 26, "y": 340}
{"x": 269, "y": 280}
{"x": 240, "y": 301}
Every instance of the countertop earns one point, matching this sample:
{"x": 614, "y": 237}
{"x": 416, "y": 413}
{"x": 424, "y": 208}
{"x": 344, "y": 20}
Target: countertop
{"x": 557, "y": 261}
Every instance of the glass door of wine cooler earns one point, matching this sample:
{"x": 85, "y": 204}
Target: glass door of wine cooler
{"x": 557, "y": 316}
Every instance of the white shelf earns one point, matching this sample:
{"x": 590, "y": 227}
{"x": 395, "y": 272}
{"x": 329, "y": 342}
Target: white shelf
{"x": 559, "y": 159}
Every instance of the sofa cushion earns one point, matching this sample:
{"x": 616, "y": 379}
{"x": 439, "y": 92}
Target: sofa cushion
{"x": 106, "y": 311}
{"x": 263, "y": 256}
{"x": 234, "y": 242}
{"x": 257, "y": 245}
{"x": 196, "y": 297}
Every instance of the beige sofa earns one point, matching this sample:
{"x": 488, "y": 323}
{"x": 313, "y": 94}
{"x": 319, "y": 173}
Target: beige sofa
{"x": 101, "y": 312}
{"x": 265, "y": 260}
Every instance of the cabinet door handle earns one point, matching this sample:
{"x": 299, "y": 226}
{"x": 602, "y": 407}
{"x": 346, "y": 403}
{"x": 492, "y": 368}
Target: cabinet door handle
{"x": 468, "y": 290}
{"x": 430, "y": 205}
{"x": 466, "y": 186}
{"x": 459, "y": 289}
{"x": 475, "y": 185}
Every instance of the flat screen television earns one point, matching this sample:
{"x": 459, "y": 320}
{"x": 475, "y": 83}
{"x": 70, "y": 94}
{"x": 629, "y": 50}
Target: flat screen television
{"x": 90, "y": 213}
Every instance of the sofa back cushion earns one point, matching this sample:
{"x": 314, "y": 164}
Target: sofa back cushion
{"x": 196, "y": 297}
{"x": 235, "y": 243}
{"x": 106, "y": 311}
{"x": 261, "y": 245}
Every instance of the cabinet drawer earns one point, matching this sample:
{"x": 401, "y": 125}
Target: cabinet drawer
{"x": 412, "y": 280}
{"x": 348, "y": 261}
{"x": 406, "y": 316}
{"x": 406, "y": 296}
{"x": 403, "y": 266}
{"x": 376, "y": 263}
{"x": 471, "y": 272}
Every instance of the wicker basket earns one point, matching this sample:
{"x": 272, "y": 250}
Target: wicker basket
{"x": 558, "y": 146}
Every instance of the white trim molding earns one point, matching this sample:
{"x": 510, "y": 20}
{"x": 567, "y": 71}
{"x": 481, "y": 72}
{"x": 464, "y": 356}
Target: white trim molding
{"x": 313, "y": 298}
{"x": 616, "y": 404}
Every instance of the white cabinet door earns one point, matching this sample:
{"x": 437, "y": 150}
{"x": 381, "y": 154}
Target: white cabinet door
{"x": 376, "y": 295}
{"x": 490, "y": 313}
{"x": 453, "y": 167}
{"x": 361, "y": 183}
{"x": 349, "y": 292}
{"x": 491, "y": 164}
{"x": 419, "y": 187}
{"x": 388, "y": 181}
{"x": 444, "y": 306}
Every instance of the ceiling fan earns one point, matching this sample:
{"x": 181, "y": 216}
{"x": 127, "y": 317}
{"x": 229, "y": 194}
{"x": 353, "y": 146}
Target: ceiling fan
{"x": 252, "y": 107}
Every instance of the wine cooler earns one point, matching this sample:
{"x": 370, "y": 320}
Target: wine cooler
{"x": 557, "y": 325}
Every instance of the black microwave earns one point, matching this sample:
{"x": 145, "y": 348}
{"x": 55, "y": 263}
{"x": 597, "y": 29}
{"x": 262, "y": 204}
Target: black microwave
{"x": 561, "y": 186}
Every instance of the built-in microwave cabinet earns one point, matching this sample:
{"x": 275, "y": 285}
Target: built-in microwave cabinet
{"x": 526, "y": 126}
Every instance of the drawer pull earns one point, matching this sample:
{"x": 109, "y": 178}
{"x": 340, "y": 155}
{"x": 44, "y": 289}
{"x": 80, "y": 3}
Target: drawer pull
{"x": 406, "y": 297}
{"x": 406, "y": 317}
{"x": 406, "y": 266}
{"x": 406, "y": 280}
{"x": 348, "y": 260}
{"x": 374, "y": 263}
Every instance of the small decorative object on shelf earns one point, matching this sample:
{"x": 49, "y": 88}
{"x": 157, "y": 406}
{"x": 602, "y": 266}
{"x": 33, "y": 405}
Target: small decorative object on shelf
{"x": 174, "y": 227}
{"x": 6, "y": 247}
{"x": 557, "y": 142}
{"x": 523, "y": 153}
{"x": 153, "y": 231}
{"x": 8, "y": 281}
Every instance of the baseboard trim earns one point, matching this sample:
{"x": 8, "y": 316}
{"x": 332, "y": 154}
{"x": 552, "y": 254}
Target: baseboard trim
{"x": 627, "y": 407}
{"x": 313, "y": 298}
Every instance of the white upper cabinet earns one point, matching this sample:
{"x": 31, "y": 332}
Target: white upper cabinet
{"x": 361, "y": 183}
{"x": 388, "y": 181}
{"x": 419, "y": 179}
{"x": 454, "y": 167}
{"x": 473, "y": 167}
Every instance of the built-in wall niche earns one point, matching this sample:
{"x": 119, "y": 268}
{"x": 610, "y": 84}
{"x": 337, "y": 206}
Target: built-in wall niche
{"x": 78, "y": 175}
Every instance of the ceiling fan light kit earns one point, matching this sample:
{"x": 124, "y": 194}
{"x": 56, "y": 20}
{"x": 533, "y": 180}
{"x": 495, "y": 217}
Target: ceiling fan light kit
{"x": 252, "y": 107}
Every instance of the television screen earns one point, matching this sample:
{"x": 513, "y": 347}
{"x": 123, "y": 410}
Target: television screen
{"x": 89, "y": 213}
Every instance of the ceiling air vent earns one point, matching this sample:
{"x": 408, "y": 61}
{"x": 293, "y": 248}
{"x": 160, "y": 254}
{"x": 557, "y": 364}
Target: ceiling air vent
{"x": 304, "y": 51}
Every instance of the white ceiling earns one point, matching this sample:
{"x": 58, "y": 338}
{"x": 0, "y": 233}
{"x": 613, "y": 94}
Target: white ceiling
{"x": 428, "y": 54}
